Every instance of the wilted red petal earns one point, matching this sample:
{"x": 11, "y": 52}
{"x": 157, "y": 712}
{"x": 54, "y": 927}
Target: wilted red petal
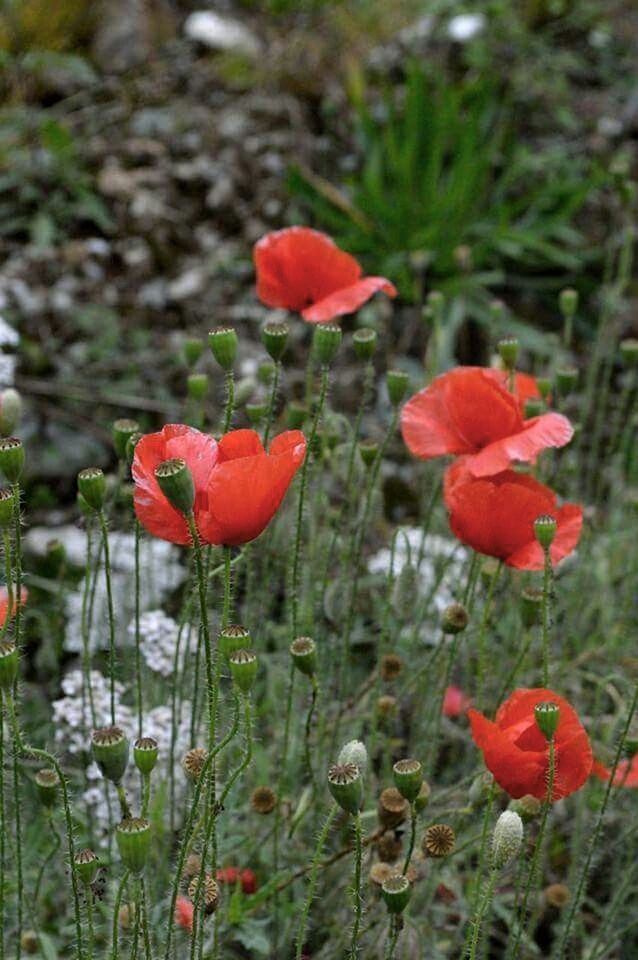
{"x": 538, "y": 433}
{"x": 455, "y": 702}
{"x": 347, "y": 299}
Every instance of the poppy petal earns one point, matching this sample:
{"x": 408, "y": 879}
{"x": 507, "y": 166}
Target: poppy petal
{"x": 240, "y": 443}
{"x": 519, "y": 772}
{"x": 347, "y": 299}
{"x": 548, "y": 430}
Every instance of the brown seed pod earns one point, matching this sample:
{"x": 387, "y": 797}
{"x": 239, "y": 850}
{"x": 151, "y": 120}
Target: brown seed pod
{"x": 439, "y": 840}
{"x": 391, "y": 666}
{"x": 380, "y": 872}
{"x": 263, "y": 800}
{"x": 393, "y": 808}
{"x": 210, "y": 892}
{"x": 389, "y": 847}
{"x": 386, "y": 706}
{"x": 557, "y": 895}
{"x": 192, "y": 867}
{"x": 193, "y": 762}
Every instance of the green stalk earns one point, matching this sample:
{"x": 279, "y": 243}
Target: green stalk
{"x": 393, "y": 937}
{"x": 271, "y": 403}
{"x": 547, "y": 579}
{"x": 138, "y": 654}
{"x": 109, "y": 599}
{"x": 145, "y": 925}
{"x": 203, "y": 612}
{"x": 90, "y": 927}
{"x": 2, "y": 830}
{"x": 480, "y": 914}
{"x": 280, "y": 786}
{"x": 115, "y": 949}
{"x": 312, "y": 882}
{"x": 47, "y": 860}
{"x": 413, "y": 821}
{"x": 358, "y": 900}
{"x": 230, "y": 400}
{"x": 481, "y": 646}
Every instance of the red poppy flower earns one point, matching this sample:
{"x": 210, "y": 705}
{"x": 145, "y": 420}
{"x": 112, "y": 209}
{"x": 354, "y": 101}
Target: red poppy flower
{"x": 517, "y": 753}
{"x": 455, "y": 702}
{"x": 154, "y": 512}
{"x": 247, "y": 485}
{"x": 525, "y": 385}
{"x": 231, "y": 875}
{"x": 304, "y": 270}
{"x": 495, "y": 516}
{"x": 184, "y": 913}
{"x": 626, "y": 772}
{"x": 4, "y": 604}
{"x": 228, "y": 875}
{"x": 248, "y": 881}
{"x": 468, "y": 411}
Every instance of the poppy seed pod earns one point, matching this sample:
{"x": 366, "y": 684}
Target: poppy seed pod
{"x": 10, "y": 411}
{"x": 531, "y": 606}
{"x": 92, "y": 487}
{"x": 508, "y": 349}
{"x": 263, "y": 800}
{"x": 110, "y": 748}
{"x": 121, "y": 431}
{"x": 557, "y": 895}
{"x": 326, "y": 342}
{"x": 193, "y": 763}
{"x": 192, "y": 349}
{"x": 7, "y": 502}
{"x": 303, "y": 651}
{"x": 296, "y": 414}
{"x": 397, "y": 382}
{"x": 364, "y": 342}
{"x": 233, "y": 638}
{"x": 533, "y": 407}
{"x": 133, "y": 841}
{"x": 131, "y": 443}
{"x": 8, "y": 665}
{"x": 46, "y": 783}
{"x": 176, "y": 483}
{"x": 544, "y": 385}
{"x": 11, "y": 458}
{"x": 547, "y": 716}
{"x": 439, "y": 840}
{"x": 391, "y": 666}
{"x": 568, "y": 301}
{"x": 210, "y": 892}
{"x": 223, "y": 343}
{"x": 545, "y": 530}
{"x": 389, "y": 847}
{"x": 566, "y": 380}
{"x": 408, "y": 777}
{"x": 145, "y": 753}
{"x": 507, "y": 838}
{"x": 368, "y": 451}
{"x": 274, "y": 337}
{"x": 86, "y": 866}
{"x": 392, "y": 808}
{"x": 396, "y": 893}
{"x": 346, "y": 786}
{"x": 454, "y": 619}
{"x": 243, "y": 669}
{"x": 197, "y": 386}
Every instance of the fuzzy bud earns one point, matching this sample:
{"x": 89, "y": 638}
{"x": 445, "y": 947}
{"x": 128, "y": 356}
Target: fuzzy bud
{"x": 243, "y": 669}
{"x": 133, "y": 841}
{"x": 10, "y": 411}
{"x": 326, "y": 342}
{"x": 364, "y": 342}
{"x": 346, "y": 786}
{"x": 145, "y": 753}
{"x": 92, "y": 487}
{"x": 274, "y": 337}
{"x": 176, "y": 483}
{"x": 354, "y": 751}
{"x": 408, "y": 777}
{"x": 303, "y": 651}
{"x": 110, "y": 748}
{"x": 223, "y": 343}
{"x": 507, "y": 839}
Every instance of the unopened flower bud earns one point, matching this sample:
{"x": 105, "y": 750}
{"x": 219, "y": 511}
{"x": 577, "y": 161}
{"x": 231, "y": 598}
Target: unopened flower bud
{"x": 392, "y": 808}
{"x": 439, "y": 840}
{"x": 346, "y": 786}
{"x": 263, "y": 800}
{"x": 531, "y": 606}
{"x": 8, "y": 665}
{"x": 364, "y": 342}
{"x": 296, "y": 414}
{"x": 46, "y": 783}
{"x": 193, "y": 763}
{"x": 121, "y": 430}
{"x": 454, "y": 619}
{"x": 508, "y": 349}
{"x": 354, "y": 751}
{"x": 566, "y": 380}
{"x": 274, "y": 337}
{"x": 176, "y": 483}
{"x": 10, "y": 411}
{"x": 408, "y": 777}
{"x": 368, "y": 451}
{"x": 92, "y": 487}
{"x": 7, "y": 505}
{"x": 303, "y": 651}
{"x": 192, "y": 348}
{"x": 568, "y": 301}
{"x": 110, "y": 748}
{"x": 326, "y": 342}
{"x": 243, "y": 669}
{"x": 629, "y": 351}
{"x": 145, "y": 753}
{"x": 197, "y": 385}
{"x": 134, "y": 841}
{"x": 397, "y": 382}
{"x": 223, "y": 343}
{"x": 545, "y": 530}
{"x": 233, "y": 638}
{"x": 396, "y": 893}
{"x": 86, "y": 866}
{"x": 507, "y": 839}
{"x": 547, "y": 716}
{"x": 527, "y": 807}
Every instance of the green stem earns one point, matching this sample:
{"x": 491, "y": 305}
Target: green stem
{"x": 230, "y": 400}
{"x": 280, "y": 786}
{"x": 393, "y": 937}
{"x": 138, "y": 653}
{"x": 86, "y": 654}
{"x": 109, "y": 600}
{"x": 146, "y": 793}
{"x": 115, "y": 949}
{"x": 8, "y": 575}
{"x": 308, "y": 729}
{"x": 413, "y": 822}
{"x": 17, "y": 807}
{"x": 547, "y": 578}
{"x": 481, "y": 645}
{"x": 312, "y": 882}
{"x": 2, "y": 830}
{"x": 358, "y": 900}
{"x": 228, "y": 593}
{"x": 90, "y": 927}
{"x": 145, "y": 925}
{"x": 203, "y": 612}
{"x": 481, "y": 911}
{"x": 271, "y": 403}
{"x": 47, "y": 860}
{"x": 247, "y": 757}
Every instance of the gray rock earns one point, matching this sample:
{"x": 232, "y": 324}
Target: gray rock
{"x": 187, "y": 285}
{"x": 221, "y": 33}
{"x": 122, "y": 37}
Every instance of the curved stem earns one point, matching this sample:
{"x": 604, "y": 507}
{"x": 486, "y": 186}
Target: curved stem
{"x": 115, "y": 949}
{"x": 308, "y": 729}
{"x": 413, "y": 821}
{"x": 111, "y": 616}
{"x": 312, "y": 882}
{"x": 358, "y": 901}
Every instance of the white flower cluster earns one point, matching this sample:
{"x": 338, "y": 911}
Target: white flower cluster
{"x": 8, "y": 338}
{"x": 73, "y": 713}
{"x": 158, "y": 640}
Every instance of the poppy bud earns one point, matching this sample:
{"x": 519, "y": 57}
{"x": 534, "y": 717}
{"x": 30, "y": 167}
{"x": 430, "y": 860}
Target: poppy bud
{"x": 396, "y": 893}
{"x": 439, "y": 840}
{"x": 408, "y": 777}
{"x": 243, "y": 669}
{"x": 303, "y": 651}
{"x": 120, "y": 431}
{"x": 397, "y": 382}
{"x": 497, "y": 310}
{"x": 527, "y": 807}
{"x": 508, "y": 350}
{"x": 436, "y": 301}
{"x": 354, "y": 751}
{"x": 295, "y": 415}
{"x": 629, "y": 351}
{"x": 176, "y": 483}
{"x": 391, "y": 666}
{"x": 8, "y": 665}
{"x": 507, "y": 838}
{"x": 131, "y": 443}
{"x": 10, "y": 411}
{"x": 423, "y": 797}
{"x": 392, "y": 808}
{"x": 263, "y": 800}
{"x": 534, "y": 407}
{"x": 566, "y": 380}
{"x": 346, "y": 786}
{"x": 265, "y": 373}
{"x": 192, "y": 348}
{"x": 11, "y": 458}
{"x": 368, "y": 451}
{"x": 110, "y": 748}
{"x": 455, "y": 618}
{"x": 544, "y": 385}
{"x": 46, "y": 783}
{"x": 256, "y": 413}
{"x": 545, "y": 530}
{"x": 193, "y": 763}
{"x": 223, "y": 343}
{"x": 145, "y": 753}
{"x": 547, "y": 716}
{"x": 233, "y": 638}
{"x": 274, "y": 337}
{"x": 568, "y": 301}
{"x": 531, "y": 606}
{"x": 364, "y": 342}
{"x": 133, "y": 841}
{"x": 197, "y": 386}
{"x": 7, "y": 501}
{"x": 86, "y": 866}
{"x": 92, "y": 487}
{"x": 326, "y": 342}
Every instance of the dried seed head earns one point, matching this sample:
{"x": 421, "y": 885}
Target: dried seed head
{"x": 263, "y": 800}
{"x": 210, "y": 892}
{"x": 391, "y": 666}
{"x": 393, "y": 808}
{"x": 192, "y": 867}
{"x": 454, "y": 619}
{"x": 386, "y": 706}
{"x": 379, "y": 872}
{"x": 389, "y": 847}
{"x": 439, "y": 840}
{"x": 507, "y": 838}
{"x": 29, "y": 942}
{"x": 193, "y": 763}
{"x": 557, "y": 895}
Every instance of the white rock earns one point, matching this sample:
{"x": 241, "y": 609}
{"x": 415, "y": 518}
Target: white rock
{"x": 220, "y": 33}
{"x": 465, "y": 26}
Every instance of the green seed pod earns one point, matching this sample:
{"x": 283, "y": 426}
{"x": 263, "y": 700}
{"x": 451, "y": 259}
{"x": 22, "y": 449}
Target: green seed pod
{"x": 11, "y": 458}
{"x": 223, "y": 343}
{"x": 192, "y": 349}
{"x": 396, "y": 893}
{"x": 566, "y": 380}
{"x": 508, "y": 349}
{"x": 368, "y": 451}
{"x": 346, "y": 786}
{"x": 534, "y": 406}
{"x": 134, "y": 841}
{"x": 145, "y": 753}
{"x": 408, "y": 777}
{"x": 110, "y": 748}
{"x": 243, "y": 669}
{"x": 92, "y": 487}
{"x": 197, "y": 386}
{"x": 531, "y": 606}
{"x": 544, "y": 385}
{"x": 121, "y": 431}
{"x": 296, "y": 415}
{"x": 527, "y": 807}
{"x": 86, "y": 866}
{"x": 568, "y": 301}
{"x": 7, "y": 505}
{"x": 131, "y": 444}
{"x": 10, "y": 411}
{"x": 545, "y": 530}
{"x": 303, "y": 651}
{"x": 326, "y": 342}
{"x": 233, "y": 638}
{"x": 8, "y": 665}
{"x": 397, "y": 382}
{"x": 256, "y": 413}
{"x": 507, "y": 839}
{"x": 454, "y": 619}
{"x": 176, "y": 483}
{"x": 547, "y": 716}
{"x": 274, "y": 337}
{"x": 364, "y": 342}
{"x": 47, "y": 782}
{"x": 629, "y": 351}
{"x": 423, "y": 797}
